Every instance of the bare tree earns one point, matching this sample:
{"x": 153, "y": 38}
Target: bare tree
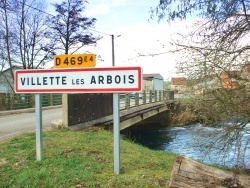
{"x": 215, "y": 55}
{"x": 70, "y": 27}
{"x": 24, "y": 36}
{"x": 6, "y": 43}
{"x": 35, "y": 47}
{"x": 6, "y": 60}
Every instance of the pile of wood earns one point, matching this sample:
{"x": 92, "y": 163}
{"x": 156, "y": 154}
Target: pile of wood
{"x": 188, "y": 173}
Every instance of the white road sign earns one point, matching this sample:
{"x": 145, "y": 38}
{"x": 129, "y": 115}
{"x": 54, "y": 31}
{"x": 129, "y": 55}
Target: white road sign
{"x": 83, "y": 80}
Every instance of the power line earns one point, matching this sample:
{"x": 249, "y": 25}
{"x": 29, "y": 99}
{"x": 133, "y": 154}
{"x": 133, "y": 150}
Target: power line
{"x": 37, "y": 9}
{"x": 53, "y": 16}
{"x": 100, "y": 32}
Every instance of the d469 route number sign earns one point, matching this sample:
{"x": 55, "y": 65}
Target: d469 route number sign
{"x": 74, "y": 61}
{"x": 82, "y": 80}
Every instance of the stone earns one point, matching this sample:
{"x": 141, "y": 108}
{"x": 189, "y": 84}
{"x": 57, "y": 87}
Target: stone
{"x": 57, "y": 124}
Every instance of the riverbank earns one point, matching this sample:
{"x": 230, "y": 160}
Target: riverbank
{"x": 186, "y": 113}
{"x": 81, "y": 159}
{"x": 183, "y": 115}
{"x": 211, "y": 109}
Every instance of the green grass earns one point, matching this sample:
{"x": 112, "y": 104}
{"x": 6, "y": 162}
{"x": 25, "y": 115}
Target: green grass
{"x": 185, "y": 101}
{"x": 81, "y": 159}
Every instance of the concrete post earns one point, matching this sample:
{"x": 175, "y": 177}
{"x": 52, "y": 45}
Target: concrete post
{"x": 144, "y": 97}
{"x": 51, "y": 99}
{"x": 2, "y": 101}
{"x": 65, "y": 119}
{"x": 12, "y": 101}
{"x": 127, "y": 101}
{"x": 33, "y": 100}
{"x": 160, "y": 93}
{"x": 150, "y": 96}
{"x": 137, "y": 99}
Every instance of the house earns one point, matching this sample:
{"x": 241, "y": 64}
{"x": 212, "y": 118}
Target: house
{"x": 230, "y": 79}
{"x": 223, "y": 80}
{"x": 226, "y": 80}
{"x": 6, "y": 80}
{"x": 153, "y": 82}
{"x": 207, "y": 83}
{"x": 179, "y": 84}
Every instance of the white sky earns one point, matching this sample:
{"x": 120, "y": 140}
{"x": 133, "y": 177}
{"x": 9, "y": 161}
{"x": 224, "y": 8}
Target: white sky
{"x": 129, "y": 18}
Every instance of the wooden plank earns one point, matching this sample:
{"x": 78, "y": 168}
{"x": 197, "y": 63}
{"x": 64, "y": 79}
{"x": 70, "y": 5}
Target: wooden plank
{"x": 188, "y": 173}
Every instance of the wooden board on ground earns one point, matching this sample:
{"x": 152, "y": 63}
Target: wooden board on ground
{"x": 188, "y": 173}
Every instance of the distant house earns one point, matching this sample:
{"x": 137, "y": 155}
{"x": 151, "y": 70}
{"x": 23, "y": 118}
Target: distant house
{"x": 210, "y": 82}
{"x": 6, "y": 80}
{"x": 179, "y": 84}
{"x": 230, "y": 80}
{"x": 153, "y": 82}
{"x": 222, "y": 80}
{"x": 226, "y": 80}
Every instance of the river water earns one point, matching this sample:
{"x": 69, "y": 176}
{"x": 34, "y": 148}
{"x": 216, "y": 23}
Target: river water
{"x": 194, "y": 141}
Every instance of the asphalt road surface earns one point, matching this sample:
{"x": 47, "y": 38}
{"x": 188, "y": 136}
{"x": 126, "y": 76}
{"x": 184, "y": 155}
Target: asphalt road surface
{"x": 14, "y": 124}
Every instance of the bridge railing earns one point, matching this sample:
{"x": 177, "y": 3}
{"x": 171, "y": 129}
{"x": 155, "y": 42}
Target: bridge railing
{"x": 12, "y": 101}
{"x": 86, "y": 107}
{"x": 146, "y": 96}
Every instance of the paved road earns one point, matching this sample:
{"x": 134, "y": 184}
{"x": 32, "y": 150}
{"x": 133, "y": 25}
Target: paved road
{"x": 14, "y": 124}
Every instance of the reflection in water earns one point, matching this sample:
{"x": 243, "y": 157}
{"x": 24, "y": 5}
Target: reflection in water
{"x": 191, "y": 142}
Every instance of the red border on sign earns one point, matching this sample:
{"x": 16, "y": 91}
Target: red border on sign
{"x": 98, "y": 90}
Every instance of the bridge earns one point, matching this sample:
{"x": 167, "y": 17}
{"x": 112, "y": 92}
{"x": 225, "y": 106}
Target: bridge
{"x": 133, "y": 111}
{"x": 144, "y": 107}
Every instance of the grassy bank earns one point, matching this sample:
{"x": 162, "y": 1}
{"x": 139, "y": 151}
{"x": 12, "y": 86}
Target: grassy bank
{"x": 81, "y": 159}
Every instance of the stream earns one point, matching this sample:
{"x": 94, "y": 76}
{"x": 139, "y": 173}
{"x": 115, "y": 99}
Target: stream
{"x": 194, "y": 141}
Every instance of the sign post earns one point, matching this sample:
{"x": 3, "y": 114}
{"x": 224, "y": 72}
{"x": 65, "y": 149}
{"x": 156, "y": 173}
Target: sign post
{"x": 116, "y": 121}
{"x": 39, "y": 143}
{"x": 82, "y": 80}
{"x": 116, "y": 130}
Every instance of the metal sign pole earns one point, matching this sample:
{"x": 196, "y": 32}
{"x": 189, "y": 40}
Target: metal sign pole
{"x": 39, "y": 147}
{"x": 116, "y": 120}
{"x": 116, "y": 127}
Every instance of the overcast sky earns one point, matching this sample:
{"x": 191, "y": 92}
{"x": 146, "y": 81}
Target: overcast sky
{"x": 139, "y": 35}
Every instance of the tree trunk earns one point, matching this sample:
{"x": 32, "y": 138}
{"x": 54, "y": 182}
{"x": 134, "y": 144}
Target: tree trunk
{"x": 188, "y": 173}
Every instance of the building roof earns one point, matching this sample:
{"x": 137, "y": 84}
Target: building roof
{"x": 149, "y": 75}
{"x": 152, "y": 76}
{"x": 14, "y": 67}
{"x": 179, "y": 81}
{"x": 230, "y": 74}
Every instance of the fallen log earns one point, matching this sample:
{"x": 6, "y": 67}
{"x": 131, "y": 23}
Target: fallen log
{"x": 188, "y": 173}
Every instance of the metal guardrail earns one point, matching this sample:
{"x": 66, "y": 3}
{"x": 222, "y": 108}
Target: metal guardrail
{"x": 85, "y": 107}
{"x": 145, "y": 97}
{"x": 13, "y": 101}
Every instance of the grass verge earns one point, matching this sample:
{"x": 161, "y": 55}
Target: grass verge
{"x": 81, "y": 159}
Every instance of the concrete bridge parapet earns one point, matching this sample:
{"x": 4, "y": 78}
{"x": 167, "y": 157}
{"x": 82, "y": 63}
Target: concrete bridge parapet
{"x": 155, "y": 112}
{"x": 162, "y": 118}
